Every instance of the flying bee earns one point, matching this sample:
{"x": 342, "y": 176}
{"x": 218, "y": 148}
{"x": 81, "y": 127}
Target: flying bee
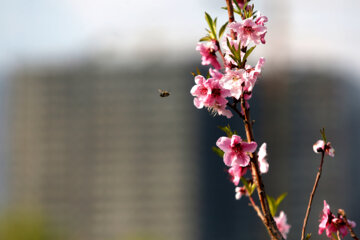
{"x": 164, "y": 93}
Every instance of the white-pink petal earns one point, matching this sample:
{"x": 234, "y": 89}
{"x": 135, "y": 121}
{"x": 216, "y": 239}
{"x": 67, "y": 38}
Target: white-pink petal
{"x": 262, "y": 159}
{"x": 319, "y": 146}
{"x": 224, "y": 144}
{"x": 249, "y": 147}
{"x": 281, "y": 223}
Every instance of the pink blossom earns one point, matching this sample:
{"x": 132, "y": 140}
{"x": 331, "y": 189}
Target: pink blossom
{"x": 208, "y": 53}
{"x": 236, "y": 172}
{"x": 251, "y": 75}
{"x": 234, "y": 81}
{"x": 262, "y": 159}
{"x": 200, "y": 91}
{"x": 248, "y": 31}
{"x": 239, "y": 192}
{"x": 241, "y": 81}
{"x": 281, "y": 223}
{"x": 326, "y": 221}
{"x": 332, "y": 224}
{"x": 343, "y": 228}
{"x": 215, "y": 74}
{"x": 319, "y": 147}
{"x": 210, "y": 94}
{"x": 235, "y": 150}
{"x": 341, "y": 225}
{"x": 261, "y": 20}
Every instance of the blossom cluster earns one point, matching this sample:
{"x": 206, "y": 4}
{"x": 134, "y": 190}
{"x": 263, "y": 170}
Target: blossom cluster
{"x": 236, "y": 156}
{"x": 234, "y": 80}
{"x": 331, "y": 224}
{"x": 231, "y": 80}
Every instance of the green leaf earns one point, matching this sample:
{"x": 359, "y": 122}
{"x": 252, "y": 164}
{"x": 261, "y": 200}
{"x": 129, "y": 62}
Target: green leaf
{"x": 246, "y": 184}
{"x": 272, "y": 205}
{"x": 248, "y": 52}
{"x": 333, "y": 235}
{"x": 198, "y": 71}
{"x": 222, "y": 29}
{"x": 235, "y": 55}
{"x": 215, "y": 22}
{"x": 238, "y": 12}
{"x": 211, "y": 25}
{"x": 218, "y": 151}
{"x": 234, "y": 58}
{"x": 322, "y": 131}
{"x": 252, "y": 188}
{"x": 245, "y": 5}
{"x": 208, "y": 75}
{"x": 206, "y": 38}
{"x": 231, "y": 48}
{"x": 280, "y": 199}
{"x": 208, "y": 19}
{"x": 308, "y": 236}
{"x": 239, "y": 50}
{"x": 237, "y": 5}
{"x": 227, "y": 130}
{"x": 244, "y": 9}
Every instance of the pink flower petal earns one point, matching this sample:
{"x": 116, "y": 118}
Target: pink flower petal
{"x": 224, "y": 144}
{"x": 229, "y": 158}
{"x": 249, "y": 147}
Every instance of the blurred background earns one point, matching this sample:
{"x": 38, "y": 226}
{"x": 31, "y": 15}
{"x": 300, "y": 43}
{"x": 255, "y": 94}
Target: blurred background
{"x": 89, "y": 151}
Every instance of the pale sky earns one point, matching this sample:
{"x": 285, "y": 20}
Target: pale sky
{"x": 321, "y": 30}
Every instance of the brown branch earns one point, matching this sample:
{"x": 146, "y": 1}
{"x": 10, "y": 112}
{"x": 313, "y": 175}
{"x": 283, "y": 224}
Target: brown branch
{"x": 231, "y": 15}
{"x": 233, "y": 107}
{"x": 221, "y": 54}
{"x": 352, "y": 233}
{"x": 312, "y": 196}
{"x": 268, "y": 219}
{"x": 257, "y": 210}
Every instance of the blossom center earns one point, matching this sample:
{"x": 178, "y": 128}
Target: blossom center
{"x": 235, "y": 78}
{"x": 237, "y": 148}
{"x": 212, "y": 51}
{"x": 216, "y": 92}
{"x": 203, "y": 91}
{"x": 248, "y": 29}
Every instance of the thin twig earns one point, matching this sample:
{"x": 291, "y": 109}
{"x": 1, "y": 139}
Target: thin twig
{"x": 257, "y": 210}
{"x": 233, "y": 107}
{"x": 312, "y": 196}
{"x": 221, "y": 54}
{"x": 352, "y": 233}
{"x": 338, "y": 235}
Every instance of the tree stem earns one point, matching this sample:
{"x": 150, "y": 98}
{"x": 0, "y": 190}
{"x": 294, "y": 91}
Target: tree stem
{"x": 312, "y": 196}
{"x": 268, "y": 219}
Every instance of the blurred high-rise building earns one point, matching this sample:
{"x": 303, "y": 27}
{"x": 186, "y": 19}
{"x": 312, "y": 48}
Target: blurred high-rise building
{"x": 102, "y": 153}
{"x": 107, "y": 158}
